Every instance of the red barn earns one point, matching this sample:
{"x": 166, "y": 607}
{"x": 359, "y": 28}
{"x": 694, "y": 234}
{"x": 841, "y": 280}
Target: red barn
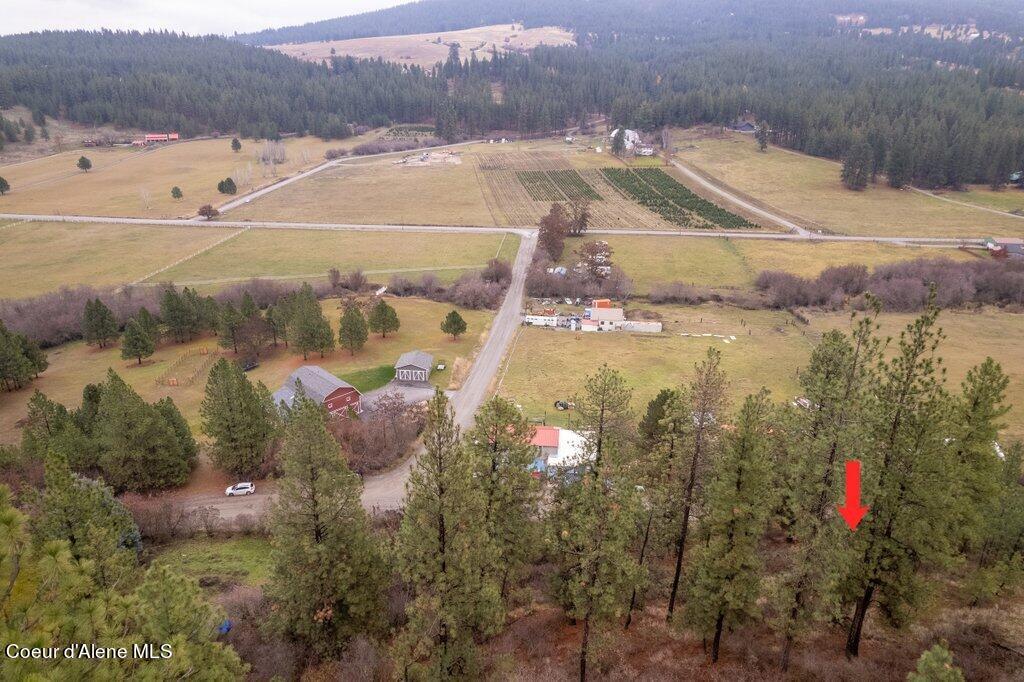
{"x": 337, "y": 396}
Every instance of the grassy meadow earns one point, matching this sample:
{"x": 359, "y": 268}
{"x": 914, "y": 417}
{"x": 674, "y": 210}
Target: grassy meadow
{"x": 42, "y": 257}
{"x": 244, "y": 560}
{"x": 547, "y": 365}
{"x": 310, "y": 253}
{"x": 74, "y": 365}
{"x": 809, "y": 188}
{"x": 735, "y": 263}
{"x": 133, "y": 182}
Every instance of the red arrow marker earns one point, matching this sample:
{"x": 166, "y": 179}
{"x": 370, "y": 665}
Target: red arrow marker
{"x": 852, "y": 512}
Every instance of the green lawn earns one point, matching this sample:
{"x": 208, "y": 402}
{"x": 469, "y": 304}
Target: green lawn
{"x": 244, "y": 560}
{"x": 371, "y": 378}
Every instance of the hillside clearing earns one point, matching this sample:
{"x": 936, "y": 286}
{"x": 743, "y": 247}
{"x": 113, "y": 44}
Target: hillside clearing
{"x": 809, "y": 188}
{"x": 426, "y": 49}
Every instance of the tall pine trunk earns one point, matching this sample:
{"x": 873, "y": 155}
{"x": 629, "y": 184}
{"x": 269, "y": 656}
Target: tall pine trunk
{"x": 857, "y": 624}
{"x": 584, "y": 647}
{"x": 717, "y": 642}
{"x": 640, "y": 562}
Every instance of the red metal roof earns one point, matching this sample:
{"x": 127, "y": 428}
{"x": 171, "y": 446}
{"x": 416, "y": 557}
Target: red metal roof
{"x": 545, "y": 437}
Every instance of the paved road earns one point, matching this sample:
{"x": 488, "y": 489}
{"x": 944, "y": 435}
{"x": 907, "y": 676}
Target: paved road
{"x": 386, "y": 491}
{"x": 488, "y": 229}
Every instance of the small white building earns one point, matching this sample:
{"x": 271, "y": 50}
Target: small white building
{"x": 558, "y": 448}
{"x": 541, "y": 320}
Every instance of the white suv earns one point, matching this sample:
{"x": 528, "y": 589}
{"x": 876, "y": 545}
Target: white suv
{"x": 240, "y": 489}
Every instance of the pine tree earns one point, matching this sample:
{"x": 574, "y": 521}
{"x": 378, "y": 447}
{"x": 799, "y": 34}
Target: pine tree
{"x": 140, "y": 449}
{"x": 593, "y": 518}
{"x": 238, "y": 418}
{"x": 176, "y": 192}
{"x": 383, "y": 319}
{"x": 5, "y": 187}
{"x": 726, "y": 573}
{"x": 136, "y": 343}
{"x": 499, "y": 444}
{"x": 352, "y": 330}
{"x": 98, "y": 324}
{"x": 454, "y": 324}
{"x": 308, "y": 329}
{"x": 227, "y": 186}
{"x": 149, "y": 324}
{"x": 443, "y": 556}
{"x": 818, "y": 439}
{"x": 84, "y": 164}
{"x": 229, "y": 326}
{"x": 1000, "y": 559}
{"x": 328, "y": 575}
{"x": 761, "y": 135}
{"x": 936, "y": 665}
{"x": 857, "y": 166}
{"x": 911, "y": 474}
{"x": 180, "y": 314}
{"x": 16, "y": 365}
{"x": 899, "y": 167}
{"x": 236, "y": 146}
{"x": 619, "y": 141}
{"x": 702, "y": 406}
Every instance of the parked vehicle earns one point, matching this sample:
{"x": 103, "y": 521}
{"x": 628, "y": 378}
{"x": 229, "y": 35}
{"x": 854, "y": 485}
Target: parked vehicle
{"x": 245, "y": 488}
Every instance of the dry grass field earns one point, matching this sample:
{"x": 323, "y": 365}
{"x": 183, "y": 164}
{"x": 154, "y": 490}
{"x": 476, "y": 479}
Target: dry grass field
{"x": 1009, "y": 200}
{"x": 482, "y": 188}
{"x": 809, "y": 188}
{"x": 41, "y": 257}
{"x": 546, "y": 365}
{"x": 74, "y": 365}
{"x": 728, "y": 263}
{"x": 426, "y": 49}
{"x": 310, "y": 253}
{"x": 971, "y": 336}
{"x": 130, "y": 182}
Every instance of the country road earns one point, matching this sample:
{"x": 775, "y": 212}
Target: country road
{"x": 488, "y": 229}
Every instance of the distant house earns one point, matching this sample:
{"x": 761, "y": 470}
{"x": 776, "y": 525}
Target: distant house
{"x": 743, "y": 127}
{"x": 631, "y": 138}
{"x": 337, "y": 396}
{"x": 414, "y": 367}
{"x": 558, "y": 449}
{"x": 1006, "y": 247}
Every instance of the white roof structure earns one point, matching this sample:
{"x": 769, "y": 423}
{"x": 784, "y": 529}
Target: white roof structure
{"x": 572, "y": 450}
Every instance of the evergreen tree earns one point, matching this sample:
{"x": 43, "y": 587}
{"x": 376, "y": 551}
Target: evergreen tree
{"x": 308, "y": 329}
{"x": 149, "y": 324}
{"x": 696, "y": 416}
{"x": 499, "y": 444}
{"x": 383, "y": 319}
{"x": 176, "y": 193}
{"x": 857, "y": 166}
{"x": 1000, "y": 560}
{"x": 20, "y": 359}
{"x": 5, "y": 187}
{"x": 238, "y": 418}
{"x": 593, "y": 518}
{"x": 140, "y": 449}
{"x": 227, "y": 186}
{"x": 352, "y": 330}
{"x": 899, "y": 167}
{"x": 98, "y": 324}
{"x": 936, "y": 665}
{"x": 761, "y": 135}
{"x": 453, "y": 324}
{"x": 443, "y": 556}
{"x": 172, "y": 415}
{"x": 236, "y": 146}
{"x": 911, "y": 475}
{"x": 328, "y": 573}
{"x": 229, "y": 327}
{"x": 619, "y": 141}
{"x": 818, "y": 439}
{"x": 726, "y": 573}
{"x": 84, "y": 164}
{"x": 136, "y": 343}
{"x": 180, "y": 314}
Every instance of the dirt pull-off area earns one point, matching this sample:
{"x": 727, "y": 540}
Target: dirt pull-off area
{"x": 426, "y": 49}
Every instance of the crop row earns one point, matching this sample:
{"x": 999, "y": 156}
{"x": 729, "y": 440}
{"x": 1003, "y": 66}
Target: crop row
{"x": 642, "y": 193}
{"x": 573, "y": 186}
{"x": 539, "y": 186}
{"x": 685, "y": 199}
